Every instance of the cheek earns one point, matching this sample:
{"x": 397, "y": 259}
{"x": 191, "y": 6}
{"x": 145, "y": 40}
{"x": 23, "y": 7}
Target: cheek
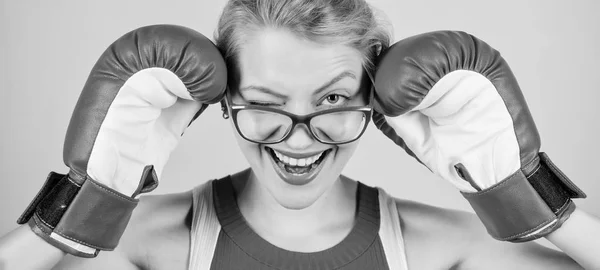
{"x": 343, "y": 155}
{"x": 250, "y": 150}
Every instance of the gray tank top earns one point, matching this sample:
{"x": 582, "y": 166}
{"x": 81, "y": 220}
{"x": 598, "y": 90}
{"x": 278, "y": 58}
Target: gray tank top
{"x": 221, "y": 238}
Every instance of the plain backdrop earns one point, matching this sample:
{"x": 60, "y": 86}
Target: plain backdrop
{"x": 47, "y": 49}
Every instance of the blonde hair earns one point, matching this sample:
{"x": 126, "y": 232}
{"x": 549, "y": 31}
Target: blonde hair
{"x": 345, "y": 22}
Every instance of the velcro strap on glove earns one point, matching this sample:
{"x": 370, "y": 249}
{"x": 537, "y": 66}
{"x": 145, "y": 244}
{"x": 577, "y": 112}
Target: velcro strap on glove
{"x": 65, "y": 212}
{"x": 523, "y": 208}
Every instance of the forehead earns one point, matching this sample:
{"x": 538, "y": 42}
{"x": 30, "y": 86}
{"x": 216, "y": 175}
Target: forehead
{"x": 272, "y": 55}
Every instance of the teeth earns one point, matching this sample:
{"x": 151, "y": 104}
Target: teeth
{"x": 302, "y": 162}
{"x": 297, "y": 162}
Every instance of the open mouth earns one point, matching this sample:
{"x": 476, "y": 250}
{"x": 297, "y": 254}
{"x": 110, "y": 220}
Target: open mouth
{"x": 299, "y": 166}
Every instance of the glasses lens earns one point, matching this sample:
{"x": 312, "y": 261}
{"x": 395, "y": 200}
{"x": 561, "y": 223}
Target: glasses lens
{"x": 263, "y": 126}
{"x": 338, "y": 127}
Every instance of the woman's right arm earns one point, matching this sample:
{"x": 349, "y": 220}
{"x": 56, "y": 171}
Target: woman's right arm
{"x": 22, "y": 249}
{"x": 141, "y": 95}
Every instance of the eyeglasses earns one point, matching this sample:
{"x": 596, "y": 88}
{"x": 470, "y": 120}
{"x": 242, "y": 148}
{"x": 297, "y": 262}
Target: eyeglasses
{"x": 264, "y": 125}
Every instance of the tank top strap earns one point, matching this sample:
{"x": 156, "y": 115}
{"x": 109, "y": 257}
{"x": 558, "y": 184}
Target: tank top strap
{"x": 390, "y": 232}
{"x": 205, "y": 227}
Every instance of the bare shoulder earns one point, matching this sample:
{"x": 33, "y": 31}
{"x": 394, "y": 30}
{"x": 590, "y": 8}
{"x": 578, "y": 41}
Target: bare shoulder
{"x": 423, "y": 218}
{"x": 158, "y": 233}
{"x": 441, "y": 238}
{"x": 435, "y": 237}
{"x": 160, "y": 212}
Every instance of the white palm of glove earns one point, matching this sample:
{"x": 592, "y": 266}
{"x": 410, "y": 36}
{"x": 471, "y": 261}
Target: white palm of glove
{"x": 462, "y": 120}
{"x": 142, "y": 127}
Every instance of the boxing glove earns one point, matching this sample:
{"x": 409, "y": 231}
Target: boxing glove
{"x": 141, "y": 95}
{"x": 452, "y": 102}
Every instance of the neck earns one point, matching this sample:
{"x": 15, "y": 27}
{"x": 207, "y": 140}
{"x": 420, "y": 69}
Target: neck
{"x": 333, "y": 212}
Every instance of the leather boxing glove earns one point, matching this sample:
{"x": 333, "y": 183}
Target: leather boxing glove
{"x": 141, "y": 95}
{"x": 451, "y": 101}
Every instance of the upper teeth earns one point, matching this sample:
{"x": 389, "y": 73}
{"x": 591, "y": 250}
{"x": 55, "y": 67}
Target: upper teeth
{"x": 297, "y": 162}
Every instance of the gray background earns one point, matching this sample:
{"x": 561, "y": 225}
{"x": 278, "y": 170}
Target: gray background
{"x": 47, "y": 49}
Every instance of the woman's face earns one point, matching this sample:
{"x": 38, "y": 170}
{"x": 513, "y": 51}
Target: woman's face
{"x": 281, "y": 71}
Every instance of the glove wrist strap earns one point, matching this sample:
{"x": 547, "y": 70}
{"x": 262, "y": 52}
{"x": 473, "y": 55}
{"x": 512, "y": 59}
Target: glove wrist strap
{"x": 522, "y": 208}
{"x": 78, "y": 218}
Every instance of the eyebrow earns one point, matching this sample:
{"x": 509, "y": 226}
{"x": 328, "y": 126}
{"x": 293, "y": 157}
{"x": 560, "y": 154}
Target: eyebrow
{"x": 317, "y": 92}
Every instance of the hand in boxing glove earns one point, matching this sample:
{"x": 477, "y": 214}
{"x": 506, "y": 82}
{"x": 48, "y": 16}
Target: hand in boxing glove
{"x": 451, "y": 101}
{"x": 141, "y": 95}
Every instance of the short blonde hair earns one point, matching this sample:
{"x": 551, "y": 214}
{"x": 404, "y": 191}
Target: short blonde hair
{"x": 345, "y": 22}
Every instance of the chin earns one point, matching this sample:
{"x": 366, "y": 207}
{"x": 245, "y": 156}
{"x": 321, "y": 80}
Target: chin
{"x": 295, "y": 201}
{"x": 296, "y": 188}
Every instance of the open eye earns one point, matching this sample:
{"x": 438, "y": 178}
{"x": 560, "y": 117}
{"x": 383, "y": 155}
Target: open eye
{"x": 334, "y": 100}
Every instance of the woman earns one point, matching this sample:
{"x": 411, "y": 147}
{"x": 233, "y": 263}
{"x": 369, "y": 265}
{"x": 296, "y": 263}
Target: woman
{"x": 293, "y": 209}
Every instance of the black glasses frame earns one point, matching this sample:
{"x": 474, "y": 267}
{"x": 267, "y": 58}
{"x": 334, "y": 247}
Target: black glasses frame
{"x": 367, "y": 110}
{"x": 234, "y": 109}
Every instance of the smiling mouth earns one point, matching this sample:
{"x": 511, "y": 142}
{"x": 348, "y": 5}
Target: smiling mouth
{"x": 297, "y": 166}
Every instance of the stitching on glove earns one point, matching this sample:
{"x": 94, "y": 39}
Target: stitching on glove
{"x": 76, "y": 176}
{"x": 563, "y": 207}
{"x": 536, "y": 170}
{"x": 38, "y": 214}
{"x": 36, "y": 219}
{"x": 74, "y": 183}
{"x": 78, "y": 241}
{"x": 528, "y": 231}
{"x": 43, "y": 221}
{"x": 116, "y": 194}
{"x": 501, "y": 184}
{"x": 533, "y": 162}
{"x": 560, "y": 219}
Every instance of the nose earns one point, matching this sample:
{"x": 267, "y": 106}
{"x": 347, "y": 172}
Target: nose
{"x": 300, "y": 138}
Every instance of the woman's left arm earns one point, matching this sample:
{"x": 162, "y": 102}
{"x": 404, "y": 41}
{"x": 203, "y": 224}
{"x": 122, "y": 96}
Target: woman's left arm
{"x": 579, "y": 237}
{"x": 451, "y": 101}
{"x": 577, "y": 241}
